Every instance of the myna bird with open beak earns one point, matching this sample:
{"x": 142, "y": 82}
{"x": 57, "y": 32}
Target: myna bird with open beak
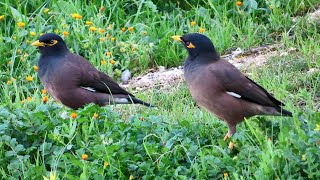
{"x": 72, "y": 80}
{"x": 221, "y": 88}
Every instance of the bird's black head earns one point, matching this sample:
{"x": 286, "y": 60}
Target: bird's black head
{"x": 198, "y": 45}
{"x": 51, "y": 44}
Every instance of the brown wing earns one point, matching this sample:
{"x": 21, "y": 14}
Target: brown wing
{"x": 93, "y": 78}
{"x": 234, "y": 81}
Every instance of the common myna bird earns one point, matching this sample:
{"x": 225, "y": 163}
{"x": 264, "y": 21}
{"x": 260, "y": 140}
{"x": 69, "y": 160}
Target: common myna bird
{"x": 72, "y": 80}
{"x": 221, "y": 88}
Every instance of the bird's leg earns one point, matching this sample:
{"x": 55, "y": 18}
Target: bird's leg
{"x": 231, "y": 131}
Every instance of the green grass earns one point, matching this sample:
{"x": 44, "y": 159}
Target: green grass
{"x": 178, "y": 140}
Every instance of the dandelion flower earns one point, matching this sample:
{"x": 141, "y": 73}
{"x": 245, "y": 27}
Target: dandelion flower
{"x": 108, "y": 35}
{"x": 89, "y": 23}
{"x": 105, "y": 164}
{"x": 29, "y": 98}
{"x": 101, "y": 31}
{"x": 29, "y": 78}
{"x": 93, "y": 29}
{"x": 73, "y": 115}
{"x": 131, "y": 177}
{"x": 1, "y": 17}
{"x": 112, "y": 61}
{"x": 225, "y": 175}
{"x": 193, "y": 23}
{"x": 36, "y": 68}
{"x": 19, "y": 51}
{"x": 130, "y": 29}
{"x": 108, "y": 54}
{"x": 123, "y": 29}
{"x": 84, "y": 156}
{"x": 113, "y": 39}
{"x": 21, "y": 24}
{"x": 239, "y": 3}
{"x": 9, "y": 82}
{"x": 32, "y": 33}
{"x": 45, "y": 99}
{"x": 103, "y": 62}
{"x": 201, "y": 30}
{"x": 101, "y": 39}
{"x": 95, "y": 115}
{"x": 76, "y": 16}
{"x": 44, "y": 91}
{"x": 46, "y": 10}
{"x": 65, "y": 33}
{"x": 56, "y": 31}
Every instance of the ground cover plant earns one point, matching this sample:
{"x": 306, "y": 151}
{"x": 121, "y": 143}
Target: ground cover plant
{"x": 40, "y": 138}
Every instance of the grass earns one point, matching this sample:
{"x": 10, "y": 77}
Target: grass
{"x": 178, "y": 140}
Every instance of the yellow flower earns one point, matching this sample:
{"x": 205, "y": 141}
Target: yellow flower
{"x": 101, "y": 39}
{"x": 108, "y": 35}
{"x": 144, "y": 32}
{"x": 36, "y": 68}
{"x": 131, "y": 177}
{"x": 21, "y": 24}
{"x": 73, "y": 115}
{"x": 123, "y": 29}
{"x": 19, "y": 51}
{"x": 93, "y": 29}
{"x": 84, "y": 156}
{"x": 303, "y": 157}
{"x": 239, "y": 3}
{"x": 89, "y": 23}
{"x": 103, "y": 62}
{"x": 9, "y": 82}
{"x": 56, "y": 31}
{"x": 29, "y": 98}
{"x": 76, "y": 16}
{"x": 193, "y": 23}
{"x": 101, "y": 9}
{"x": 112, "y": 61}
{"x": 101, "y": 31}
{"x": 108, "y": 54}
{"x": 105, "y": 164}
{"x": 225, "y": 175}
{"x": 29, "y": 78}
{"x": 1, "y": 17}
{"x": 201, "y": 30}
{"x": 45, "y": 99}
{"x": 32, "y": 33}
{"x": 65, "y": 33}
{"x": 28, "y": 41}
{"x": 95, "y": 115}
{"x": 46, "y": 10}
{"x": 52, "y": 176}
{"x": 113, "y": 39}
{"x": 44, "y": 91}
{"x": 317, "y": 127}
{"x": 130, "y": 29}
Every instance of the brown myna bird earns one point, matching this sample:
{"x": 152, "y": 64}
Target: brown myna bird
{"x": 221, "y": 88}
{"x": 72, "y": 80}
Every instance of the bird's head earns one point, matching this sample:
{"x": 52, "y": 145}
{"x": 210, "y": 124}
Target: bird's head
{"x": 197, "y": 45}
{"x": 50, "y": 43}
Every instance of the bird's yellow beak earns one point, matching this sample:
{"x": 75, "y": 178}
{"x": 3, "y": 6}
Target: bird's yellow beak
{"x": 38, "y": 43}
{"x": 177, "y": 38}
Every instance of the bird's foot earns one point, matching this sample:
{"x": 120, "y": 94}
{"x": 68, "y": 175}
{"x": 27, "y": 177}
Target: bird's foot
{"x": 226, "y": 137}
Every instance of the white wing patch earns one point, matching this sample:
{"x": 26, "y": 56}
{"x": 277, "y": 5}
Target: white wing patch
{"x": 233, "y": 94}
{"x": 121, "y": 100}
{"x": 88, "y": 88}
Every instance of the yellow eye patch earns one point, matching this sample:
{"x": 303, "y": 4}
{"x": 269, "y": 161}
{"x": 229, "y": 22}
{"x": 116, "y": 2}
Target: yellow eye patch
{"x": 52, "y": 42}
{"x": 190, "y": 45}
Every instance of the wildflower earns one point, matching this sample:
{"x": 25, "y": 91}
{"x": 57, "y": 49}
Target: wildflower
{"x": 89, "y": 23}
{"x": 105, "y": 164}
{"x": 131, "y": 177}
{"x": 201, "y": 30}
{"x": 317, "y": 127}
{"x": 19, "y": 51}
{"x": 46, "y": 10}
{"x": 84, "y": 156}
{"x": 112, "y": 61}
{"x": 73, "y": 115}
{"x": 123, "y": 29}
{"x": 56, "y": 31}
{"x": 108, "y": 54}
{"x": 45, "y": 99}
{"x": 225, "y": 175}
{"x": 95, "y": 115}
{"x": 29, "y": 98}
{"x": 29, "y": 78}
{"x": 112, "y": 39}
{"x": 44, "y": 91}
{"x": 1, "y": 17}
{"x": 144, "y": 32}
{"x": 52, "y": 176}
{"x": 101, "y": 9}
{"x": 65, "y": 33}
{"x": 9, "y": 82}
{"x": 101, "y": 31}
{"x": 193, "y": 23}
{"x": 32, "y": 33}
{"x": 130, "y": 29}
{"x": 101, "y": 39}
{"x": 239, "y": 3}
{"x": 231, "y": 145}
{"x": 36, "y": 68}
{"x": 93, "y": 29}
{"x": 103, "y": 62}
{"x": 303, "y": 157}
{"x": 76, "y": 16}
{"x": 108, "y": 35}
{"x": 21, "y": 24}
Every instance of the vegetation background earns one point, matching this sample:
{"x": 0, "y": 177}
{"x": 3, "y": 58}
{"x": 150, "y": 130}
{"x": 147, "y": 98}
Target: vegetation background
{"x": 41, "y": 139}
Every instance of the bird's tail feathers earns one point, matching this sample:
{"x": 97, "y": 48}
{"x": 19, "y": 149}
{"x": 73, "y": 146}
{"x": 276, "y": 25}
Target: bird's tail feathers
{"x": 284, "y": 112}
{"x": 138, "y": 101}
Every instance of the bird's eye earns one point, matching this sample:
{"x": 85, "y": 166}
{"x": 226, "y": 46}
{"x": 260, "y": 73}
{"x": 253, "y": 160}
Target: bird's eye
{"x": 187, "y": 43}
{"x": 52, "y": 41}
